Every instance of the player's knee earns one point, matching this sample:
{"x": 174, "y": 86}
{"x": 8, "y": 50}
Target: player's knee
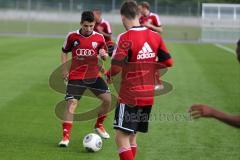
{"x": 72, "y": 104}
{"x": 105, "y": 98}
{"x": 107, "y": 101}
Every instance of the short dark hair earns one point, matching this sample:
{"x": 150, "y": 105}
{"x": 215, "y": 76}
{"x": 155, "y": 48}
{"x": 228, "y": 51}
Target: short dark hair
{"x": 129, "y": 9}
{"x": 145, "y": 4}
{"x": 87, "y": 16}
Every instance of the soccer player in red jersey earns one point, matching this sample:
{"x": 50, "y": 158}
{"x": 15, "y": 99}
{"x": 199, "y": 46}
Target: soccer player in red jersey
{"x": 138, "y": 53}
{"x": 102, "y": 26}
{"x": 149, "y": 19}
{"x": 86, "y": 47}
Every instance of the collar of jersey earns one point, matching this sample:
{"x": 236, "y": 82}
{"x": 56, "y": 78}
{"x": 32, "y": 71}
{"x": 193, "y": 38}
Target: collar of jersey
{"x": 138, "y": 28}
{"x": 79, "y": 31}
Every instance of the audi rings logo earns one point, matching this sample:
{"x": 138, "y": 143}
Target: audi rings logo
{"x": 85, "y": 52}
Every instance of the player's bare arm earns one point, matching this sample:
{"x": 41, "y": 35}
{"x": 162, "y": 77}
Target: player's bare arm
{"x": 158, "y": 29}
{"x": 64, "y": 59}
{"x": 114, "y": 70}
{"x": 102, "y": 56}
{"x": 201, "y": 110}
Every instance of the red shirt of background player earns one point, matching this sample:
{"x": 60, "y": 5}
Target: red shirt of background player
{"x": 152, "y": 18}
{"x": 104, "y": 26}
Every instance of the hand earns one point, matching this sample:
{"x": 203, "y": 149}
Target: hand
{"x": 148, "y": 25}
{"x": 108, "y": 78}
{"x": 145, "y": 24}
{"x": 103, "y": 54}
{"x": 201, "y": 110}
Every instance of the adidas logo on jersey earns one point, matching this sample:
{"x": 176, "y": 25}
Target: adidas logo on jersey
{"x": 146, "y": 52}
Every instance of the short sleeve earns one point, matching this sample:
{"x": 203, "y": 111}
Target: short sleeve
{"x": 108, "y": 27}
{"x": 164, "y": 56}
{"x": 122, "y": 47}
{"x": 156, "y": 20}
{"x": 67, "y": 45}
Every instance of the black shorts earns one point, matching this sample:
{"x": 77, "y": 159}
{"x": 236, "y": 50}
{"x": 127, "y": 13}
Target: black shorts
{"x": 131, "y": 119}
{"x": 76, "y": 88}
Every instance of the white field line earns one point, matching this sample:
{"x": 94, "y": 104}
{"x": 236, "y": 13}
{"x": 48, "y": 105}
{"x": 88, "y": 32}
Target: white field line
{"x": 230, "y": 50}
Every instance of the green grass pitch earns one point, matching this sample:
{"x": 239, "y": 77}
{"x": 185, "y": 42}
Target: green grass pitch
{"x": 202, "y": 73}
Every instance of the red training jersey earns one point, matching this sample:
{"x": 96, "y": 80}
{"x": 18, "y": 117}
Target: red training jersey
{"x": 139, "y": 52}
{"x": 85, "y": 50}
{"x": 105, "y": 27}
{"x": 152, "y": 18}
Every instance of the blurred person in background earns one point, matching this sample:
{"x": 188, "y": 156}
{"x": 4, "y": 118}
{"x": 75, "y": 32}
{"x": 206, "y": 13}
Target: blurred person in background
{"x": 149, "y": 19}
{"x": 103, "y": 27}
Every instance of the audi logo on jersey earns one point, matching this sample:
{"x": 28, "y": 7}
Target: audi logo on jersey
{"x": 85, "y": 52}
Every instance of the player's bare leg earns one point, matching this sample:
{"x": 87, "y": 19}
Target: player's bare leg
{"x": 123, "y": 144}
{"x": 102, "y": 114}
{"x": 67, "y": 122}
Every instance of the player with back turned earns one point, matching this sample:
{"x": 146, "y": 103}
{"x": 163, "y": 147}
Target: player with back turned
{"x": 135, "y": 57}
{"x": 149, "y": 19}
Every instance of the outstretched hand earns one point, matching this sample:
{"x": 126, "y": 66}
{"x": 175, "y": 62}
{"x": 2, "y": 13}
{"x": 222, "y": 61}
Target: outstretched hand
{"x": 201, "y": 110}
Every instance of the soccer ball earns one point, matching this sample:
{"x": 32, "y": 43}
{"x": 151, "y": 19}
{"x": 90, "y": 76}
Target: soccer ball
{"x": 92, "y": 142}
